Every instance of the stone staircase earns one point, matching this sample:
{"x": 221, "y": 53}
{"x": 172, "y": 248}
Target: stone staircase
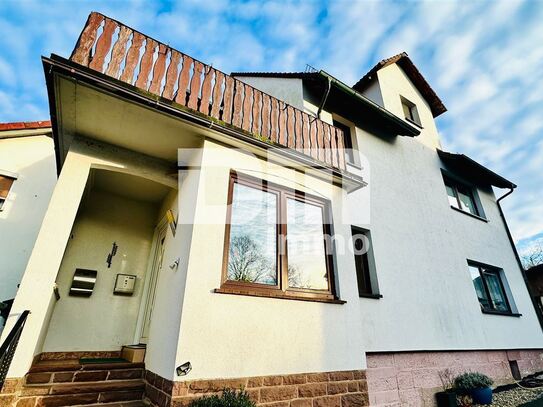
{"x": 69, "y": 383}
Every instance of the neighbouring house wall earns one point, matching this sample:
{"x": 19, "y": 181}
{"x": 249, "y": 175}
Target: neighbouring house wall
{"x": 103, "y": 321}
{"x": 393, "y": 82}
{"x": 413, "y": 378}
{"x": 421, "y": 247}
{"x": 286, "y": 89}
{"x": 232, "y": 336}
{"x": 32, "y": 160}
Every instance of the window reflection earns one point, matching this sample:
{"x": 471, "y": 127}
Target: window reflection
{"x": 305, "y": 245}
{"x": 252, "y": 252}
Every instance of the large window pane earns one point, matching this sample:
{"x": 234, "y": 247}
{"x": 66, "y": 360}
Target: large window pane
{"x": 479, "y": 287}
{"x": 305, "y": 243}
{"x": 496, "y": 292}
{"x": 253, "y": 239}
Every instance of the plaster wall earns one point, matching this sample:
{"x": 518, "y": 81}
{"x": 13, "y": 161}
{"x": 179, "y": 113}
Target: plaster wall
{"x": 393, "y": 83}
{"x": 32, "y": 160}
{"x": 170, "y": 292}
{"x": 238, "y": 336}
{"x": 35, "y": 292}
{"x": 103, "y": 321}
{"x": 286, "y": 89}
{"x": 421, "y": 246}
{"x": 373, "y": 93}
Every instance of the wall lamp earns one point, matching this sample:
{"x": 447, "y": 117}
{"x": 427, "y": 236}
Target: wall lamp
{"x": 184, "y": 369}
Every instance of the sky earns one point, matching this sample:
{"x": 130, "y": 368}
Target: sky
{"x": 483, "y": 58}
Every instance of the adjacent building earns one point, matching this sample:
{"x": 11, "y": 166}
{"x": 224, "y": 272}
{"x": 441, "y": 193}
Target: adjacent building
{"x": 307, "y": 240}
{"x": 27, "y": 179}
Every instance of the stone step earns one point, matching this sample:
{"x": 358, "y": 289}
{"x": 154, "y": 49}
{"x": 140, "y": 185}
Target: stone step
{"x": 92, "y": 387}
{"x": 112, "y": 398}
{"x": 89, "y": 375}
{"x": 74, "y": 365}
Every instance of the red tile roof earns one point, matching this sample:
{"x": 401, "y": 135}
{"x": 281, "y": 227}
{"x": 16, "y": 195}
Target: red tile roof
{"x": 44, "y": 124}
{"x": 403, "y": 60}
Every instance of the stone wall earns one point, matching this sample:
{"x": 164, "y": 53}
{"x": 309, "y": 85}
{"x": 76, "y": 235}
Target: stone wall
{"x": 412, "y": 378}
{"x": 329, "y": 389}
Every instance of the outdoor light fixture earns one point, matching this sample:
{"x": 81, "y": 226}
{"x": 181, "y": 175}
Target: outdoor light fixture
{"x": 184, "y": 369}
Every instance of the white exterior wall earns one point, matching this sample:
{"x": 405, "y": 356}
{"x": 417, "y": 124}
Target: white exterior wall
{"x": 286, "y": 89}
{"x": 421, "y": 247}
{"x": 103, "y": 321}
{"x": 36, "y": 291}
{"x": 170, "y": 292}
{"x": 373, "y": 93}
{"x": 226, "y": 335}
{"x": 32, "y": 160}
{"x": 393, "y": 82}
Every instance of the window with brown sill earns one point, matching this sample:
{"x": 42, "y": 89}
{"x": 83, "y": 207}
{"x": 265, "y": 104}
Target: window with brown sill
{"x": 277, "y": 242}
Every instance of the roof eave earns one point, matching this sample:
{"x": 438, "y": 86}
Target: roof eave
{"x": 470, "y": 165}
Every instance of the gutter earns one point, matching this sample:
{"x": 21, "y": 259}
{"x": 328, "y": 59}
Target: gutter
{"x": 517, "y": 256}
{"x": 324, "y": 97}
{"x": 407, "y": 128}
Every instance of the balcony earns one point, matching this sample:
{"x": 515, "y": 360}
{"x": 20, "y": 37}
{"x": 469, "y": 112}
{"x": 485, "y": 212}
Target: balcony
{"x": 126, "y": 55}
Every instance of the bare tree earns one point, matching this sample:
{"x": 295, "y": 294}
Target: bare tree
{"x": 247, "y": 263}
{"x": 533, "y": 257}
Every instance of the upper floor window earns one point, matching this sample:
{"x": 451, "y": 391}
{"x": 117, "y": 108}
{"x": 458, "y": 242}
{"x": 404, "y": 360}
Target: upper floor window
{"x": 277, "y": 239}
{"x": 489, "y": 286}
{"x": 410, "y": 111}
{"x": 351, "y": 147}
{"x": 364, "y": 262}
{"x": 5, "y": 185}
{"x": 463, "y": 197}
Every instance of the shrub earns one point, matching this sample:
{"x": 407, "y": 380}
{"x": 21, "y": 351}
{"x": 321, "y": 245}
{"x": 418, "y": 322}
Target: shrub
{"x": 228, "y": 398}
{"x": 470, "y": 381}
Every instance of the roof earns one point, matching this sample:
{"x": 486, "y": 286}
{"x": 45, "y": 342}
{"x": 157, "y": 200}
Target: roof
{"x": 360, "y": 102}
{"x": 436, "y": 105}
{"x": 43, "y": 124}
{"x": 536, "y": 269}
{"x": 473, "y": 171}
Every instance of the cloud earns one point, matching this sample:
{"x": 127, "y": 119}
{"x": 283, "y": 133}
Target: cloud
{"x": 484, "y": 59}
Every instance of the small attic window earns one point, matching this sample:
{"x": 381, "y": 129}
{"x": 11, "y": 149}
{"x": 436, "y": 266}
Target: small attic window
{"x": 410, "y": 111}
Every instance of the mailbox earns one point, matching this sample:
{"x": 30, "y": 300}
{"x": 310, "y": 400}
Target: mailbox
{"x": 83, "y": 282}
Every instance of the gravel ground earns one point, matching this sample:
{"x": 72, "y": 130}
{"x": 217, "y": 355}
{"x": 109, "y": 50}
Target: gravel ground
{"x": 515, "y": 397}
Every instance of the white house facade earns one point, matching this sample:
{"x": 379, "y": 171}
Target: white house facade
{"x": 308, "y": 241}
{"x": 27, "y": 178}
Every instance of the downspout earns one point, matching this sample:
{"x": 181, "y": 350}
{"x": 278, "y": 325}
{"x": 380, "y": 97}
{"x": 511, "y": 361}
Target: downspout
{"x": 517, "y": 256}
{"x": 325, "y": 96}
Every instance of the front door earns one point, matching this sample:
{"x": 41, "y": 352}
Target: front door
{"x": 156, "y": 266}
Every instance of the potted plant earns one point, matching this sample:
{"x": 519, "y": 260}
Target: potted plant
{"x": 447, "y": 397}
{"x": 477, "y": 385}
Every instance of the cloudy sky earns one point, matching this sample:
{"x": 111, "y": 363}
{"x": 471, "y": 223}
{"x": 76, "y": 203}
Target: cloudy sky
{"x": 484, "y": 59}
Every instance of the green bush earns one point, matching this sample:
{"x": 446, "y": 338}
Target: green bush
{"x": 470, "y": 381}
{"x": 228, "y": 398}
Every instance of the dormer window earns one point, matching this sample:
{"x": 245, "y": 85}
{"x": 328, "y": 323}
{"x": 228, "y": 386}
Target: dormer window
{"x": 410, "y": 111}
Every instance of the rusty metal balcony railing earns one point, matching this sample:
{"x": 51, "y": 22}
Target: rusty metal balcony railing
{"x": 115, "y": 50}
